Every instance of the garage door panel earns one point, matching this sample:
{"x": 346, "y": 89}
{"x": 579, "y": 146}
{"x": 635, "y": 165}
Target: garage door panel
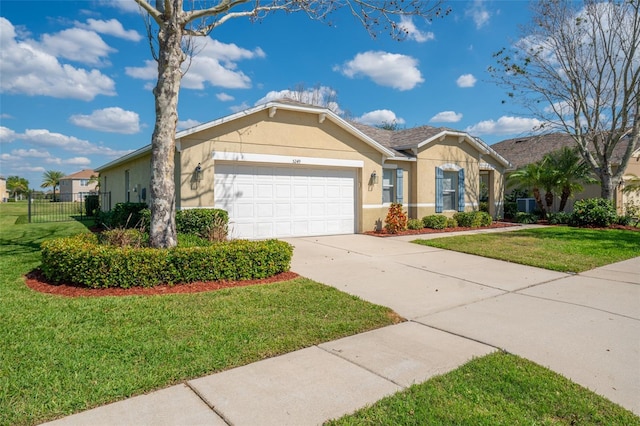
{"x": 267, "y": 201}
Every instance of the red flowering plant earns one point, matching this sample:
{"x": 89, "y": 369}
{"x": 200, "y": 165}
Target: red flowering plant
{"x": 396, "y": 219}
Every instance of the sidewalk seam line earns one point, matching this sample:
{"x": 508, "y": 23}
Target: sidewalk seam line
{"x": 361, "y": 366}
{"x": 206, "y": 402}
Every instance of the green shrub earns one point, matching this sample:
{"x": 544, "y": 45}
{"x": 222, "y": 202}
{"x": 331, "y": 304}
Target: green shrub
{"x": 435, "y": 221}
{"x": 593, "y": 212}
{"x": 559, "y": 218}
{"x": 414, "y": 224}
{"x": 474, "y": 219}
{"x": 190, "y": 240}
{"x": 522, "y": 217}
{"x": 210, "y": 224}
{"x": 452, "y": 223}
{"x": 123, "y": 237}
{"x": 396, "y": 219}
{"x": 22, "y": 219}
{"x": 484, "y": 206}
{"x": 123, "y": 215}
{"x": 92, "y": 205}
{"x": 624, "y": 220}
{"x": 82, "y": 260}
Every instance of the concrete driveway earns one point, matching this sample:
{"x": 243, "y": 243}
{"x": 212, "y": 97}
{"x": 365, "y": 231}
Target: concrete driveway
{"x": 584, "y": 326}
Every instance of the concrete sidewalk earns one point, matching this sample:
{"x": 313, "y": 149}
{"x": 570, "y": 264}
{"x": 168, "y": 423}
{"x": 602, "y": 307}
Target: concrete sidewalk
{"x": 459, "y": 306}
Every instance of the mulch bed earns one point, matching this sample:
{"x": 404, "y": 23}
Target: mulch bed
{"x": 384, "y": 233}
{"x": 37, "y": 282}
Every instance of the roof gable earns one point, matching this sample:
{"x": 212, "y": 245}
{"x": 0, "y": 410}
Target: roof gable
{"x": 82, "y": 174}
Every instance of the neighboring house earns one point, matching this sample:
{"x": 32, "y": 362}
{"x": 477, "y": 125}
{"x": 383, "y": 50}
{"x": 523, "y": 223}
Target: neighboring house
{"x": 4, "y": 194}
{"x": 76, "y": 186}
{"x": 526, "y": 150}
{"x": 289, "y": 169}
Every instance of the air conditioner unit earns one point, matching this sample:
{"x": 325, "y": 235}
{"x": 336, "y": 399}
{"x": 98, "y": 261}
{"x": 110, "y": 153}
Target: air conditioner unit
{"x": 526, "y": 205}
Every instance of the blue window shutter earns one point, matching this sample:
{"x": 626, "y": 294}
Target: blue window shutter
{"x": 461, "y": 190}
{"x": 399, "y": 187}
{"x": 439, "y": 201}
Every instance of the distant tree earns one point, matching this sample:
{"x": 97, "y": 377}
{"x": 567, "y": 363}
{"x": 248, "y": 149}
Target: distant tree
{"x": 17, "y": 185}
{"x": 569, "y": 171}
{"x": 576, "y": 68}
{"x": 95, "y": 179}
{"x": 51, "y": 179}
{"x": 389, "y": 125}
{"x": 317, "y": 95}
{"x": 176, "y": 26}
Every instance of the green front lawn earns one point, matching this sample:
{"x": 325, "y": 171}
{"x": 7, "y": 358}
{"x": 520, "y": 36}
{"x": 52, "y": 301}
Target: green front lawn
{"x": 63, "y": 355}
{"x": 498, "y": 389}
{"x": 559, "y": 248}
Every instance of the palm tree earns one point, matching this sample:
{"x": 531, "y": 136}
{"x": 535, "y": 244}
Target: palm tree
{"x": 532, "y": 176}
{"x": 17, "y": 185}
{"x": 570, "y": 172}
{"x": 51, "y": 179}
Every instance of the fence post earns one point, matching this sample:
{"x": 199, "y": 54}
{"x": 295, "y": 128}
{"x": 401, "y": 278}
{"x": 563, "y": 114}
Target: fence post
{"x": 29, "y": 198}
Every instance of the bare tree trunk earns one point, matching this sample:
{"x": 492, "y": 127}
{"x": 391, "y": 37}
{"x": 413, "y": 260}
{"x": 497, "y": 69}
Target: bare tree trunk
{"x": 538, "y": 198}
{"x": 566, "y": 192}
{"x": 608, "y": 186}
{"x": 162, "y": 232}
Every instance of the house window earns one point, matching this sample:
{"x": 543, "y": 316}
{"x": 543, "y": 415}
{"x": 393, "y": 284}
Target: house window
{"x": 84, "y": 182}
{"x": 388, "y": 181}
{"x": 449, "y": 186}
{"x": 449, "y": 190}
{"x": 392, "y": 186}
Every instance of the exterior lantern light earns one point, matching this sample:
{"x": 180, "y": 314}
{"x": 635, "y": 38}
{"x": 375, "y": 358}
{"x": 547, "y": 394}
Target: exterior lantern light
{"x": 374, "y": 178}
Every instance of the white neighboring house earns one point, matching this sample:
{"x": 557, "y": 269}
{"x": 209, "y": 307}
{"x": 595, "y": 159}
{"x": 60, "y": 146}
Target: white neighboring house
{"x": 76, "y": 186}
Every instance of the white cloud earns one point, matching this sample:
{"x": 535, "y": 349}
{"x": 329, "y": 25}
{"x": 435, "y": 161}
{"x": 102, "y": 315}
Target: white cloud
{"x": 76, "y": 44}
{"x": 413, "y": 33}
{"x": 214, "y": 65}
{"x": 380, "y": 116}
{"x": 125, "y": 6}
{"x": 29, "y": 70}
{"x": 30, "y": 153}
{"x": 7, "y": 135}
{"x": 238, "y": 108}
{"x": 113, "y": 120}
{"x": 45, "y": 139}
{"x": 386, "y": 69}
{"x": 111, "y": 27}
{"x": 466, "y": 80}
{"x": 321, "y": 96}
{"x": 223, "y": 97}
{"x": 446, "y": 117}
{"x": 504, "y": 126}
{"x": 5, "y": 116}
{"x": 479, "y": 14}
{"x": 187, "y": 124}
{"x": 74, "y": 161}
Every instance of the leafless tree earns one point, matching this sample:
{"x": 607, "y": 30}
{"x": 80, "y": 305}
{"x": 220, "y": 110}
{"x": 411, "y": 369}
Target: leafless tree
{"x": 175, "y": 26}
{"x": 577, "y": 68}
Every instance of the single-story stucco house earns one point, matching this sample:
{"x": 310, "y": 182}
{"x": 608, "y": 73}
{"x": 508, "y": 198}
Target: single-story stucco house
{"x": 76, "y": 186}
{"x": 526, "y": 150}
{"x": 288, "y": 169}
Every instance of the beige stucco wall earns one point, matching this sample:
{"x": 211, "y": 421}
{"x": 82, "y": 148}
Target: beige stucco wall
{"x": 112, "y": 180}
{"x": 71, "y": 189}
{"x": 288, "y": 133}
{"x": 4, "y": 194}
{"x": 452, "y": 151}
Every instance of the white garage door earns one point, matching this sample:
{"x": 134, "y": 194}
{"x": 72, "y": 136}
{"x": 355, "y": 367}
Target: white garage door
{"x": 271, "y": 201}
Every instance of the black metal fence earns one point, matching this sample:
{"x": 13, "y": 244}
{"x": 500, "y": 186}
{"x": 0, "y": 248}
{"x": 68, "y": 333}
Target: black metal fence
{"x": 66, "y": 207}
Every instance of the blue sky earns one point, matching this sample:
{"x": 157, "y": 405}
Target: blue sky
{"x": 76, "y": 76}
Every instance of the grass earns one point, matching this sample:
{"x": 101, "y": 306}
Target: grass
{"x": 498, "y": 389}
{"x": 560, "y": 248}
{"x": 63, "y": 355}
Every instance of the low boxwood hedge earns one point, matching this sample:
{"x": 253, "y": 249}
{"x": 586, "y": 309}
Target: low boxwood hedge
{"x": 82, "y": 260}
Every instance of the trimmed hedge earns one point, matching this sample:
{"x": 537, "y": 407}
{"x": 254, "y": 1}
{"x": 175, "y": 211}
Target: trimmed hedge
{"x": 435, "y": 221}
{"x": 414, "y": 224}
{"x": 82, "y": 260}
{"x": 474, "y": 219}
{"x": 593, "y": 212}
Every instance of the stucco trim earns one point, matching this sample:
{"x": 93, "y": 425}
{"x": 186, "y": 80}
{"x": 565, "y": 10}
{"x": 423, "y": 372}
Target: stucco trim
{"x": 285, "y": 159}
{"x": 462, "y": 136}
{"x": 450, "y": 167}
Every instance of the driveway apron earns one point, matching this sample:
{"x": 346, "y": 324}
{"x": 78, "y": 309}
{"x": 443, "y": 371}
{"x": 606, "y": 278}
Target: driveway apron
{"x": 585, "y": 326}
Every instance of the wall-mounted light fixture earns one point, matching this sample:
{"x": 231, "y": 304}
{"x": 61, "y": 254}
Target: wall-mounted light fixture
{"x": 374, "y": 178}
{"x": 197, "y": 176}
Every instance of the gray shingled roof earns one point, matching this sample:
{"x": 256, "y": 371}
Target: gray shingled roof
{"x": 529, "y": 149}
